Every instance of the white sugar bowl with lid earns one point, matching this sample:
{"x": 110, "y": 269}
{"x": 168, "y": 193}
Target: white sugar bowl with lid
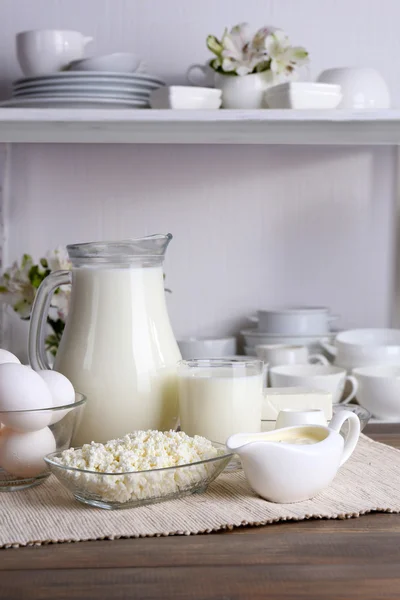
{"x": 295, "y": 321}
{"x": 365, "y": 347}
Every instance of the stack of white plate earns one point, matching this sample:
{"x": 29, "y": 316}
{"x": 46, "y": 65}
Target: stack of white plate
{"x": 87, "y": 89}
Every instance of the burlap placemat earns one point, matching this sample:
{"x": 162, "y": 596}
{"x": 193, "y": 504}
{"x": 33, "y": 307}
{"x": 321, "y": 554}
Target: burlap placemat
{"x": 369, "y": 481}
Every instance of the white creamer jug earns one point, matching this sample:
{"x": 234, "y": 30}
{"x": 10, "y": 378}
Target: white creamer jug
{"x": 293, "y": 464}
{"x": 118, "y": 347}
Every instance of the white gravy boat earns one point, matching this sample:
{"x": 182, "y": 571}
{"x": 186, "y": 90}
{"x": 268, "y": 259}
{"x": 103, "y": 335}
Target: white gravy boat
{"x": 283, "y": 470}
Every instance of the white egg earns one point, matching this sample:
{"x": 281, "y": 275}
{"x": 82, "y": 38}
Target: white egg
{"x": 62, "y": 392}
{"x": 8, "y": 357}
{"x": 21, "y": 454}
{"x": 21, "y": 389}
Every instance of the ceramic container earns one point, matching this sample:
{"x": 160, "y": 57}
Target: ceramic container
{"x": 317, "y": 377}
{"x": 184, "y": 97}
{"x": 365, "y": 347}
{"x": 245, "y": 92}
{"x": 379, "y": 390}
{"x": 47, "y": 51}
{"x": 118, "y": 62}
{"x": 194, "y": 347}
{"x": 282, "y": 469}
{"x": 361, "y": 87}
{"x": 268, "y": 424}
{"x": 295, "y": 321}
{"x": 303, "y": 95}
{"x": 281, "y": 354}
{"x": 291, "y": 417}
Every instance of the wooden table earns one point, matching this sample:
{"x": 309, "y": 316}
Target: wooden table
{"x": 331, "y": 559}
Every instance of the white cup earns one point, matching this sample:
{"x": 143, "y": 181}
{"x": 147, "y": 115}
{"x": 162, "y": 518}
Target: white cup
{"x": 317, "y": 377}
{"x": 289, "y": 417}
{"x": 48, "y": 50}
{"x": 207, "y": 347}
{"x": 379, "y": 390}
{"x": 282, "y": 354}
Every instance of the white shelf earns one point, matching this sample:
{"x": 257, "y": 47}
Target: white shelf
{"x": 199, "y": 127}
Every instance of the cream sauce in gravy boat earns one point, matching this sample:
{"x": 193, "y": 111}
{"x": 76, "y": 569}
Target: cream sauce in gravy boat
{"x": 293, "y": 464}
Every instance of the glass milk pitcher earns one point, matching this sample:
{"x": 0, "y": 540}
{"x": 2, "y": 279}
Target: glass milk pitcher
{"x": 118, "y": 347}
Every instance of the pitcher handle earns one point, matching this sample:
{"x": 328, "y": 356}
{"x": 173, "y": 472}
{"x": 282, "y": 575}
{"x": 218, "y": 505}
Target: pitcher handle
{"x": 354, "y": 431}
{"x": 37, "y": 330}
{"x": 204, "y": 80}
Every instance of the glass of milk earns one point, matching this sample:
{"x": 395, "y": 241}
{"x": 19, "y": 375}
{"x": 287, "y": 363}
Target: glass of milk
{"x": 219, "y": 397}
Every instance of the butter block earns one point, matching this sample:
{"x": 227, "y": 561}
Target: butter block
{"x": 276, "y": 399}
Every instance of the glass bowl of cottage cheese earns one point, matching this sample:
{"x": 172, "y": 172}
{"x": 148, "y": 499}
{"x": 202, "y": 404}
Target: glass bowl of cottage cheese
{"x": 141, "y": 468}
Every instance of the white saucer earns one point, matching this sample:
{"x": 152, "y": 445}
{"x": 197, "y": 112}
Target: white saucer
{"x": 73, "y": 102}
{"x": 82, "y": 75}
{"x": 88, "y": 90}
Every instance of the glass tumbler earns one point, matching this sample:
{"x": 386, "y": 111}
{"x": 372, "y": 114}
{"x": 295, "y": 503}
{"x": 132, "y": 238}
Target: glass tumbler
{"x": 219, "y": 397}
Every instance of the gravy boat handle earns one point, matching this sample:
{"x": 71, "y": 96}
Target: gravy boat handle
{"x": 354, "y": 431}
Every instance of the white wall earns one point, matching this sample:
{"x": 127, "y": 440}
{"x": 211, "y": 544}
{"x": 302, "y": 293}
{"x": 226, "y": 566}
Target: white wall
{"x": 253, "y": 226}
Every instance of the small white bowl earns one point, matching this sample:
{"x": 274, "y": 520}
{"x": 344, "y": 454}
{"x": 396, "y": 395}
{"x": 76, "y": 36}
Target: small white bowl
{"x": 119, "y": 62}
{"x": 303, "y": 95}
{"x": 361, "y": 87}
{"x": 185, "y": 97}
{"x": 207, "y": 347}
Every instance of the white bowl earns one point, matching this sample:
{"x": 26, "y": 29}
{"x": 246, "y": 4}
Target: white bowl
{"x": 119, "y": 62}
{"x": 361, "y": 87}
{"x": 379, "y": 390}
{"x": 366, "y": 347}
{"x": 312, "y": 342}
{"x": 185, "y": 97}
{"x": 303, "y": 95}
{"x": 207, "y": 347}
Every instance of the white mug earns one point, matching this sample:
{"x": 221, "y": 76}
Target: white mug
{"x": 289, "y": 417}
{"x": 317, "y": 377}
{"x": 48, "y": 50}
{"x": 282, "y": 354}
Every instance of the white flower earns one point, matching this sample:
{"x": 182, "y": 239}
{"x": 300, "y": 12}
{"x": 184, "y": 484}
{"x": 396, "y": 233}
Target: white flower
{"x": 238, "y": 54}
{"x": 60, "y": 301}
{"x": 241, "y": 53}
{"x": 58, "y": 259}
{"x": 284, "y": 57}
{"x": 16, "y": 287}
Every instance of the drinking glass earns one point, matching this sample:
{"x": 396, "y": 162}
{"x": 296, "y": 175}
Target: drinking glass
{"x": 220, "y": 397}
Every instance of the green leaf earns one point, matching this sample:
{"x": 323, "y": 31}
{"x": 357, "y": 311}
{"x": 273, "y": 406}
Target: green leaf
{"x": 214, "y": 45}
{"x": 3, "y": 289}
{"x": 57, "y": 326}
{"x": 36, "y": 276}
{"x": 26, "y": 259}
{"x": 262, "y": 66}
{"x": 44, "y": 263}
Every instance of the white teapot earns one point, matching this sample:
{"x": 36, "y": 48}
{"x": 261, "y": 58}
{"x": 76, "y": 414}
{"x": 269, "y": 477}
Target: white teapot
{"x": 295, "y": 463}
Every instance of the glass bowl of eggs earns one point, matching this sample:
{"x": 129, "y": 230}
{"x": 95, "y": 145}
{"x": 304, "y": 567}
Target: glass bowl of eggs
{"x": 39, "y": 413}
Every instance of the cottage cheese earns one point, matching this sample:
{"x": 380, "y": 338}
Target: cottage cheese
{"x": 134, "y": 457}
